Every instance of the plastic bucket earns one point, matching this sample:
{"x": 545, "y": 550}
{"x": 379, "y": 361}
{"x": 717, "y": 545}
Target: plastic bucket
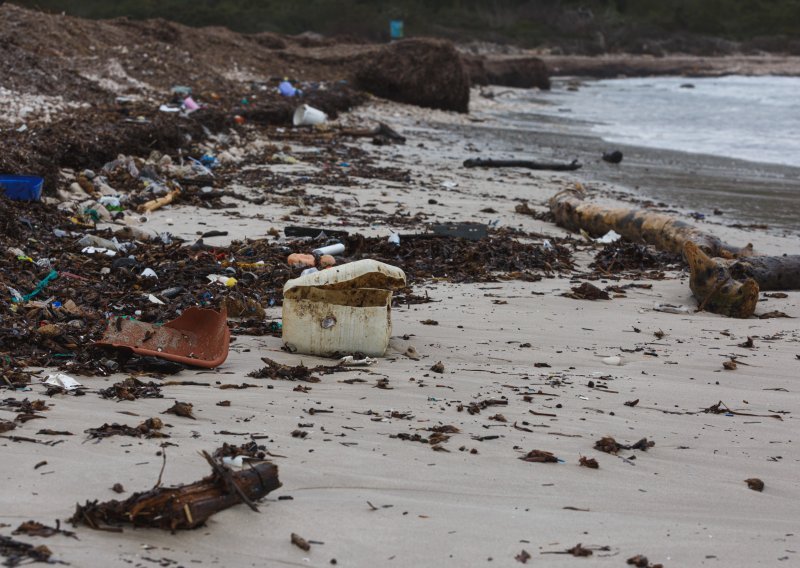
{"x": 21, "y": 188}
{"x": 305, "y": 115}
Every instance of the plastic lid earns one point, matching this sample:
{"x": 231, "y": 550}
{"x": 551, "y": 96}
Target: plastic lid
{"x": 359, "y": 274}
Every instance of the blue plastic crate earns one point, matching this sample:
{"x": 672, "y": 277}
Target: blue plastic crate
{"x": 21, "y": 188}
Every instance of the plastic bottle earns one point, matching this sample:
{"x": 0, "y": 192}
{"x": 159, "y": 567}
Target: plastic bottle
{"x": 334, "y": 249}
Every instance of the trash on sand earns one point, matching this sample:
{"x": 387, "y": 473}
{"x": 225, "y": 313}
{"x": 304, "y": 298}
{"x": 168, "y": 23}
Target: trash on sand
{"x": 35, "y": 292}
{"x": 98, "y": 242}
{"x": 306, "y": 115}
{"x": 614, "y": 361}
{"x": 158, "y": 203}
{"x": 350, "y": 361}
{"x": 198, "y": 337}
{"x": 184, "y": 507}
{"x": 190, "y": 105}
{"x": 672, "y": 309}
{"x": 326, "y": 261}
{"x": 297, "y": 260}
{"x": 345, "y": 309}
{"x": 63, "y": 381}
{"x": 98, "y": 250}
{"x": 287, "y": 89}
{"x": 612, "y": 157}
{"x": 21, "y": 188}
{"x": 610, "y": 237}
{"x": 332, "y": 250}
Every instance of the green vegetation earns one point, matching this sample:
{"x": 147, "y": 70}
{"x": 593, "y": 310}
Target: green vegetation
{"x": 525, "y": 22}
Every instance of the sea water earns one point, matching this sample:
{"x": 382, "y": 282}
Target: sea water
{"x": 749, "y": 118}
{"x": 750, "y": 126}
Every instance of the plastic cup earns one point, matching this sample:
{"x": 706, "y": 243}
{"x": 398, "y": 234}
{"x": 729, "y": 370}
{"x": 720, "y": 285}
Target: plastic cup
{"x": 305, "y": 115}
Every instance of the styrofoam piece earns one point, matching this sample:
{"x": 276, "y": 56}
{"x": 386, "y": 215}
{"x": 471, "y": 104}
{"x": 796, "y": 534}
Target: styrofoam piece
{"x": 344, "y": 309}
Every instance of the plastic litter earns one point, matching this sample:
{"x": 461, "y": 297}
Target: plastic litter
{"x": 345, "y": 309}
{"x": 238, "y": 461}
{"x": 149, "y": 273}
{"x": 190, "y": 105}
{"x": 21, "y": 188}
{"x": 198, "y": 337}
{"x": 287, "y": 89}
{"x": 672, "y": 309}
{"x": 297, "y": 260}
{"x": 332, "y": 250}
{"x": 610, "y": 237}
{"x": 62, "y": 380}
{"x": 326, "y": 261}
{"x": 350, "y": 361}
{"x": 98, "y": 250}
{"x": 222, "y": 279}
{"x": 306, "y": 115}
{"x": 98, "y": 242}
{"x": 17, "y": 297}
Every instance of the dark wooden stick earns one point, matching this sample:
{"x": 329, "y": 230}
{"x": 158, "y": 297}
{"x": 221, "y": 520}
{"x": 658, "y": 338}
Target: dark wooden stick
{"x": 531, "y": 165}
{"x": 185, "y": 506}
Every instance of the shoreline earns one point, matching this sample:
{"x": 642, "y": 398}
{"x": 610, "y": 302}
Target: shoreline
{"x": 363, "y": 495}
{"x": 670, "y": 179}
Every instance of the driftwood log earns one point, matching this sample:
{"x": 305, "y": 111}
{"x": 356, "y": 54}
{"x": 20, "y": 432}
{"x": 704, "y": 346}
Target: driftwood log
{"x": 730, "y": 286}
{"x": 725, "y": 279}
{"x": 183, "y": 507}
{"x": 531, "y": 165}
{"x": 638, "y": 225}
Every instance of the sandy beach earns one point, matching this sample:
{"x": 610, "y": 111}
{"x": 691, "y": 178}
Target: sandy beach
{"x": 364, "y": 496}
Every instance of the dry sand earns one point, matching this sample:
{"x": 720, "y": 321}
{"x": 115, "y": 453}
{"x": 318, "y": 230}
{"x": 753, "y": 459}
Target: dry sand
{"x": 682, "y": 503}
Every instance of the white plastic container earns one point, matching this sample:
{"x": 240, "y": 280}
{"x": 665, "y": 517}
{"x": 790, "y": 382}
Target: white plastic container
{"x": 305, "y": 115}
{"x": 332, "y": 250}
{"x": 345, "y": 309}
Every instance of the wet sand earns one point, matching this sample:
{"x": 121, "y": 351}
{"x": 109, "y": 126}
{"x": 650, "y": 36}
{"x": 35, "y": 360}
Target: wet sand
{"x": 369, "y": 499}
{"x": 743, "y": 192}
